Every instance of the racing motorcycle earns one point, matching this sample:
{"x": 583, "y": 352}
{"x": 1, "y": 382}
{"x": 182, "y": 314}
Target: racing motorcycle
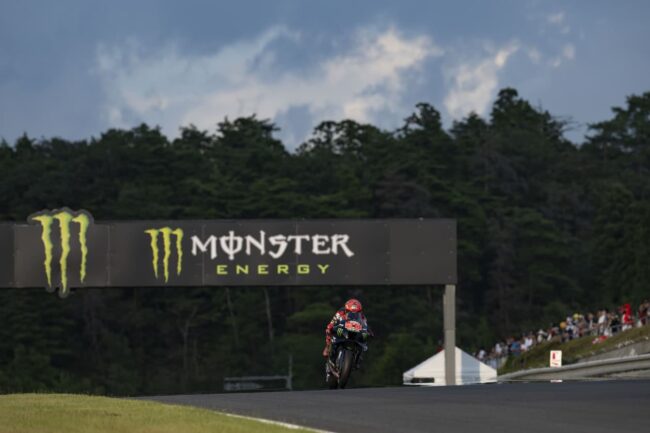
{"x": 348, "y": 345}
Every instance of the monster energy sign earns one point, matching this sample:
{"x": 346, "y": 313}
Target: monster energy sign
{"x": 64, "y": 249}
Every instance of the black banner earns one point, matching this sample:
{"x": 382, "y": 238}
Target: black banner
{"x": 64, "y": 249}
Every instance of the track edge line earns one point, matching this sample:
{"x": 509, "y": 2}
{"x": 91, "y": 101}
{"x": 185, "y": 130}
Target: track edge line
{"x": 279, "y": 423}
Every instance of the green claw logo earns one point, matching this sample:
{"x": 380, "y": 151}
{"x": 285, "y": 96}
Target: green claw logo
{"x": 65, "y": 217}
{"x": 166, "y": 233}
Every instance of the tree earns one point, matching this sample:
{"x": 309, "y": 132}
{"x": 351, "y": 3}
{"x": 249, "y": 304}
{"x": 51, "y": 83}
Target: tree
{"x": 545, "y": 227}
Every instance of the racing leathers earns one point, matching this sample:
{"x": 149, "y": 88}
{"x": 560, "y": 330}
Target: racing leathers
{"x": 339, "y": 317}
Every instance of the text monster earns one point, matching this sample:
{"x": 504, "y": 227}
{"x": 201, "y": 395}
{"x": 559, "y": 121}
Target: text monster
{"x": 275, "y": 246}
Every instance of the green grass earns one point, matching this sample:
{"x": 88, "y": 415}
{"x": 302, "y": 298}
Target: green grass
{"x": 50, "y": 413}
{"x": 573, "y": 351}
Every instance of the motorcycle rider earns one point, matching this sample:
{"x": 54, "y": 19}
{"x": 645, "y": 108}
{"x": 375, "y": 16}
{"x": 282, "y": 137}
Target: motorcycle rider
{"x": 351, "y": 306}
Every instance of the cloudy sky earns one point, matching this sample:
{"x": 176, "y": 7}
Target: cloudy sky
{"x": 75, "y": 68}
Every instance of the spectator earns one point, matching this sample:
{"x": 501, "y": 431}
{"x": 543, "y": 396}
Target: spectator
{"x": 555, "y": 334}
{"x": 541, "y": 336}
{"x": 627, "y": 322}
{"x": 643, "y": 312}
{"x": 564, "y": 332}
{"x": 583, "y": 327}
{"x": 498, "y": 349}
{"x": 614, "y": 323}
{"x": 602, "y": 325}
{"x": 515, "y": 348}
{"x": 592, "y": 325}
{"x": 529, "y": 340}
{"x": 602, "y": 321}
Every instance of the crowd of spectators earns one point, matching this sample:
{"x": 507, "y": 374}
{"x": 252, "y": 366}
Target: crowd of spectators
{"x": 601, "y": 325}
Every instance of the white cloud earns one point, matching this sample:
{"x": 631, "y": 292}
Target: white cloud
{"x": 568, "y": 53}
{"x": 556, "y": 18}
{"x": 171, "y": 88}
{"x": 534, "y": 55}
{"x": 474, "y": 83}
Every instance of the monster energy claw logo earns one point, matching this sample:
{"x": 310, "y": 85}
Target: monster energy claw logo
{"x": 166, "y": 233}
{"x": 64, "y": 217}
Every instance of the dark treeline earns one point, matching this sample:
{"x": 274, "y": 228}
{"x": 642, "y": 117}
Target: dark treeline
{"x": 546, "y": 227}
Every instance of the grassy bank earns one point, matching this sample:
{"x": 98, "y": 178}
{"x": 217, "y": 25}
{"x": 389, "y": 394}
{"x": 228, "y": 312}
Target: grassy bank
{"x": 50, "y": 413}
{"x": 574, "y": 350}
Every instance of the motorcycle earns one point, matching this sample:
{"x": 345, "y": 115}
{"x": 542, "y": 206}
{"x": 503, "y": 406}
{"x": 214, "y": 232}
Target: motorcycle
{"x": 347, "y": 350}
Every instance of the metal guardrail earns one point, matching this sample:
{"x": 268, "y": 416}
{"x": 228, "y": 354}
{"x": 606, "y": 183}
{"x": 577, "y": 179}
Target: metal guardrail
{"x": 582, "y": 370}
{"x": 259, "y": 383}
{"x": 256, "y": 383}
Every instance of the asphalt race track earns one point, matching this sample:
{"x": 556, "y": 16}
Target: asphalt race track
{"x": 572, "y": 407}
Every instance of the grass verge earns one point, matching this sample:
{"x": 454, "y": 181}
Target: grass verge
{"x": 55, "y": 413}
{"x": 573, "y": 351}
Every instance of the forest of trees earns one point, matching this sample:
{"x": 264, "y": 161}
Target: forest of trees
{"x": 546, "y": 227}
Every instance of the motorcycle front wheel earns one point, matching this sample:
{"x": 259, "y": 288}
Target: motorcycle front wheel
{"x": 345, "y": 367}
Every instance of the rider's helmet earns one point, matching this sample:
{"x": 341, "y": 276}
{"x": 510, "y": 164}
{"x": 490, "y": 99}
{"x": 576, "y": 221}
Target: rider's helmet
{"x": 353, "y": 306}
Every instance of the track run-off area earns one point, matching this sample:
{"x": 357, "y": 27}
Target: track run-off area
{"x": 593, "y": 407}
